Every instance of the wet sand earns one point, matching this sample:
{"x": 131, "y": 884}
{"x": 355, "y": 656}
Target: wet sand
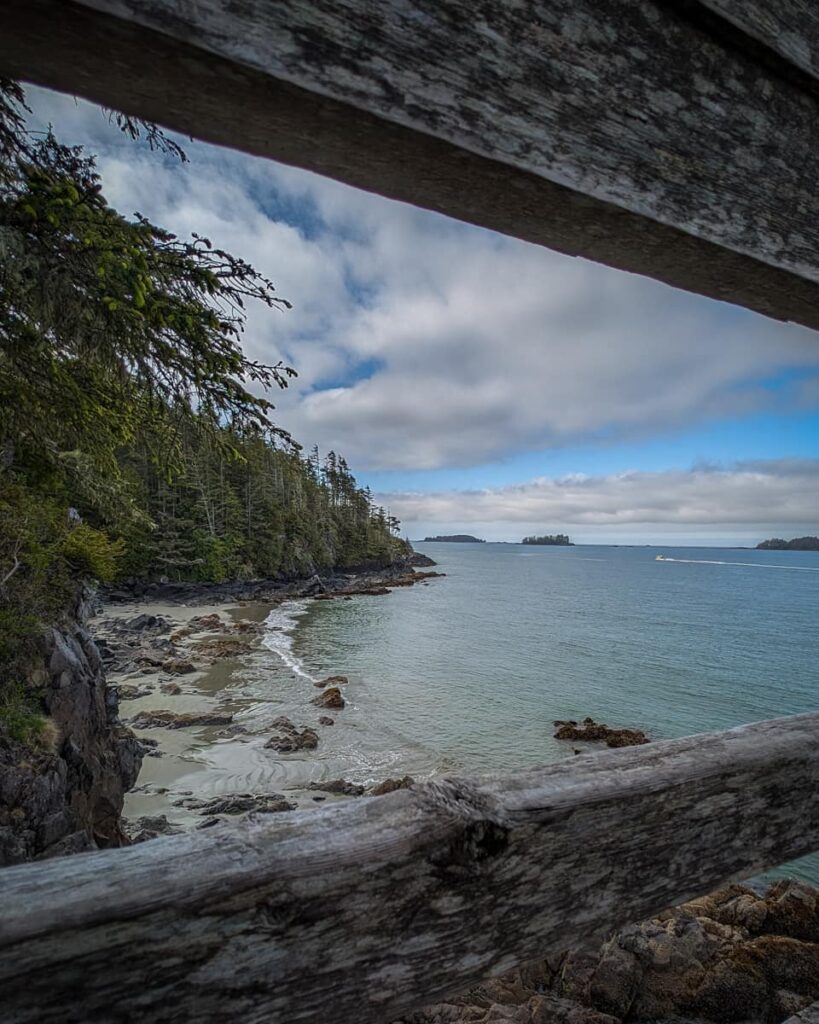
{"x": 199, "y": 763}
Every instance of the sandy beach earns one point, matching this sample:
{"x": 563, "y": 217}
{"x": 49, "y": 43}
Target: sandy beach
{"x": 228, "y": 720}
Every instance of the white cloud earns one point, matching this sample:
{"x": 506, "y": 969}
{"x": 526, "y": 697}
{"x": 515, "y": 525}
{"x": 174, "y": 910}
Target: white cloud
{"x": 750, "y": 500}
{"x": 477, "y": 345}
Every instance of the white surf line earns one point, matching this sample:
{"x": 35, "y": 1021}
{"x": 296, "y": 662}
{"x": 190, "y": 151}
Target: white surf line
{"x": 279, "y": 640}
{"x": 753, "y": 565}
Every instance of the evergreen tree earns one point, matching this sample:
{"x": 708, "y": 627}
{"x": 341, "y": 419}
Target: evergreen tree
{"x": 130, "y": 441}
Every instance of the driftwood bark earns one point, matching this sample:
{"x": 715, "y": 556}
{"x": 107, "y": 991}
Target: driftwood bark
{"x": 790, "y": 28}
{"x": 368, "y": 908}
{"x": 808, "y": 1016}
{"x": 675, "y": 138}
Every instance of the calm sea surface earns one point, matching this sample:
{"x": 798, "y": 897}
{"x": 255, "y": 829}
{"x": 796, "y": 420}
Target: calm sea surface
{"x": 467, "y": 673}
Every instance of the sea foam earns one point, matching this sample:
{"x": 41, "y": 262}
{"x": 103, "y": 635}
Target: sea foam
{"x": 281, "y": 625}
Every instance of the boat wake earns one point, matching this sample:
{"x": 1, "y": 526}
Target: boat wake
{"x": 752, "y": 565}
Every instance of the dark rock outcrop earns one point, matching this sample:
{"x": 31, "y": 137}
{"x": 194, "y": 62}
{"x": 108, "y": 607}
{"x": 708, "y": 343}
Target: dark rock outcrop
{"x": 126, "y": 692}
{"x": 150, "y": 827}
{"x": 242, "y": 803}
{"x": 338, "y": 786}
{"x": 599, "y": 732}
{"x": 212, "y": 622}
{"x": 733, "y": 956}
{"x": 332, "y": 681}
{"x": 222, "y": 647}
{"x": 330, "y": 699}
{"x": 65, "y": 793}
{"x": 144, "y": 622}
{"x": 421, "y": 561}
{"x": 178, "y": 666}
{"x": 343, "y": 582}
{"x": 289, "y": 738}
{"x": 390, "y": 785}
{"x": 171, "y": 720}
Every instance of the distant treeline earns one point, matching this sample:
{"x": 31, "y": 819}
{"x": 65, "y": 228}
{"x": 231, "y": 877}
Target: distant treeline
{"x": 797, "y": 544}
{"x": 136, "y": 437}
{"x": 455, "y": 538}
{"x": 555, "y": 539}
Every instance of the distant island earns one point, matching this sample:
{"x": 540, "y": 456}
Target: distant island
{"x": 554, "y": 539}
{"x": 455, "y": 538}
{"x": 797, "y": 544}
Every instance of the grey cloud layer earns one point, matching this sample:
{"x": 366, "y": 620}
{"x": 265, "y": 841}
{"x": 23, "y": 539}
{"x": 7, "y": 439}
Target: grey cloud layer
{"x": 477, "y": 345}
{"x": 750, "y": 494}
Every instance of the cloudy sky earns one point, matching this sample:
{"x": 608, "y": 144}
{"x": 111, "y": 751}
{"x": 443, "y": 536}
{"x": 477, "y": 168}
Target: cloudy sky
{"x": 482, "y": 384}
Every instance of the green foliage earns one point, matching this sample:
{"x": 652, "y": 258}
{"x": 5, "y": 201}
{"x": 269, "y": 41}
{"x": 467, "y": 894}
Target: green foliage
{"x": 258, "y": 512}
{"x": 796, "y": 544}
{"x": 18, "y": 717}
{"x": 130, "y": 443}
{"x": 91, "y": 552}
{"x": 109, "y": 327}
{"x": 549, "y": 540}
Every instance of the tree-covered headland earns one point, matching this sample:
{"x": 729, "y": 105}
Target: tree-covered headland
{"x": 796, "y": 544}
{"x": 550, "y": 540}
{"x": 135, "y": 436}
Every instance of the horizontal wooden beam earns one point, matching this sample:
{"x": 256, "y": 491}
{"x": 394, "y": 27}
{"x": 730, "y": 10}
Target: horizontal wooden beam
{"x": 629, "y": 133}
{"x": 790, "y": 28}
{"x": 372, "y": 907}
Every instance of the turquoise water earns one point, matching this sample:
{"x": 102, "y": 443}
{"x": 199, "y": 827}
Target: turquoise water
{"x": 468, "y": 673}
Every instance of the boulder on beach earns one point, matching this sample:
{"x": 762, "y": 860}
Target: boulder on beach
{"x": 338, "y": 786}
{"x": 243, "y": 803}
{"x": 390, "y": 785}
{"x": 222, "y": 647}
{"x": 146, "y": 623}
{"x": 592, "y": 731}
{"x": 289, "y": 738}
{"x": 326, "y": 720}
{"x": 329, "y": 699}
{"x": 332, "y": 681}
{"x": 150, "y": 827}
{"x": 178, "y": 666}
{"x": 206, "y": 622}
{"x": 126, "y": 692}
{"x": 154, "y": 659}
{"x": 172, "y": 689}
{"x": 171, "y": 720}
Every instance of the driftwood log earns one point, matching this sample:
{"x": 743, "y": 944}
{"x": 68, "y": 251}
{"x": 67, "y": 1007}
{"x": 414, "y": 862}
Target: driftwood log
{"x": 675, "y": 138}
{"x": 362, "y": 910}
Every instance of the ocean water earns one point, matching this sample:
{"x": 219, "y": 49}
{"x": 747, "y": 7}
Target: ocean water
{"x": 468, "y": 672}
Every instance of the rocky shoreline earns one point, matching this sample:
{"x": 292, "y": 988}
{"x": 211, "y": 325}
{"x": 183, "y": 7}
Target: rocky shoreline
{"x": 161, "y": 648}
{"x": 738, "y": 955}
{"x": 65, "y": 792}
{"x": 734, "y": 956}
{"x": 334, "y": 583}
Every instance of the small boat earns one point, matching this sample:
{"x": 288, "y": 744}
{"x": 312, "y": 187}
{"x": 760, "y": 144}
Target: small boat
{"x": 660, "y": 558}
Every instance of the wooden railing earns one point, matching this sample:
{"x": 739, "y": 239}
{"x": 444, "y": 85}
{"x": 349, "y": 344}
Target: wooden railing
{"x": 675, "y": 138}
{"x": 678, "y": 140}
{"x": 367, "y": 908}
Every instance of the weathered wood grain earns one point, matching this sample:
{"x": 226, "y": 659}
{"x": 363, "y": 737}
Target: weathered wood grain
{"x": 788, "y": 27}
{"x": 622, "y": 132}
{"x": 807, "y": 1016}
{"x": 371, "y": 907}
